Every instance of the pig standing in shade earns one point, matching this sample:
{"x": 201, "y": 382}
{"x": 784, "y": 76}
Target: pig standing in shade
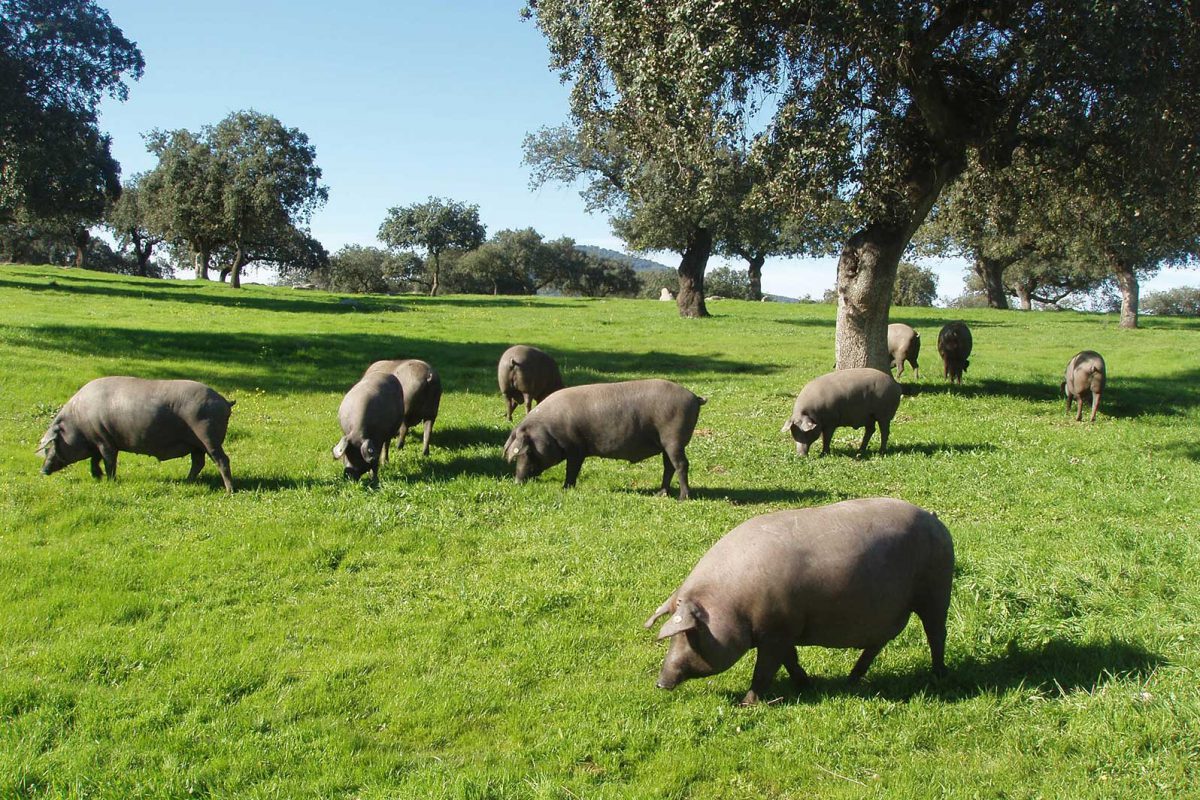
{"x": 843, "y": 575}
{"x": 632, "y": 420}
{"x": 1084, "y": 381}
{"x": 164, "y": 419}
{"x": 526, "y": 374}
{"x": 904, "y": 344}
{"x": 954, "y": 346}
{"x": 422, "y": 390}
{"x": 370, "y": 415}
{"x": 854, "y": 398}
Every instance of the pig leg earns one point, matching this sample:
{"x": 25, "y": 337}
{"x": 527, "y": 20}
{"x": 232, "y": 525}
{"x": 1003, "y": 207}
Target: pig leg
{"x": 867, "y": 434}
{"x": 826, "y": 438}
{"x": 899, "y": 365}
{"x": 574, "y": 464}
{"x": 884, "y": 428}
{"x": 109, "y": 455}
{"x": 96, "y": 473}
{"x": 668, "y": 473}
{"x": 512, "y": 404}
{"x": 917, "y": 370}
{"x": 766, "y": 664}
{"x": 1095, "y": 405}
{"x": 402, "y": 436}
{"x": 425, "y": 437}
{"x": 1079, "y": 409}
{"x": 864, "y": 663}
{"x": 197, "y": 464}
{"x": 386, "y": 447}
{"x": 219, "y": 458}
{"x": 935, "y": 632}
{"x": 675, "y": 461}
{"x": 797, "y": 673}
{"x": 528, "y": 403}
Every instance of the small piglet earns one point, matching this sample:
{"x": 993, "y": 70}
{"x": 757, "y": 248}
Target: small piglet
{"x": 842, "y": 575}
{"x": 526, "y": 374}
{"x": 164, "y": 419}
{"x": 422, "y": 389}
{"x": 854, "y": 398}
{"x": 954, "y": 346}
{"x": 904, "y": 344}
{"x": 1084, "y": 381}
{"x": 370, "y": 415}
{"x": 633, "y": 420}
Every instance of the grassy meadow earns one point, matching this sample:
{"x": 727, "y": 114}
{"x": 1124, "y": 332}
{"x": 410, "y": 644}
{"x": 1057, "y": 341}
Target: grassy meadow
{"x": 454, "y": 635}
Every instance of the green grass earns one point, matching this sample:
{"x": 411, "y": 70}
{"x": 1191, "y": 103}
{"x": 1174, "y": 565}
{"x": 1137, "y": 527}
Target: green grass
{"x": 452, "y": 634}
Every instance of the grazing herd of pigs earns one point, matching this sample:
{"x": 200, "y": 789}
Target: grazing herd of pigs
{"x": 845, "y": 575}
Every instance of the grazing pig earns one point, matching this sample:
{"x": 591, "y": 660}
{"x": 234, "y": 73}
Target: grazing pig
{"x": 633, "y": 420}
{"x": 164, "y": 419}
{"x": 904, "y": 344}
{"x": 853, "y": 398}
{"x": 370, "y": 415}
{"x": 527, "y": 374}
{"x": 422, "y": 389}
{"x": 842, "y": 575}
{"x": 954, "y": 346}
{"x": 1084, "y": 381}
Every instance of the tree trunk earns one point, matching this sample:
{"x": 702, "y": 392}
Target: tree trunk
{"x": 991, "y": 271}
{"x": 1024, "y": 296}
{"x": 202, "y": 263}
{"x": 754, "y": 269}
{"x": 866, "y": 277}
{"x": 224, "y": 273}
{"x": 690, "y": 299}
{"x": 433, "y": 285}
{"x": 142, "y": 250}
{"x": 80, "y": 240}
{"x": 239, "y": 261}
{"x": 1127, "y": 282}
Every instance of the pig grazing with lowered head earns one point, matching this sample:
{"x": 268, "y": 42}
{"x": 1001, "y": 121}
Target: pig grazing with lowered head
{"x": 370, "y": 415}
{"x": 1084, "y": 381}
{"x": 422, "y": 390}
{"x": 632, "y": 420}
{"x": 526, "y": 374}
{"x": 855, "y": 398}
{"x": 954, "y": 346}
{"x": 904, "y": 344}
{"x": 164, "y": 419}
{"x": 843, "y": 575}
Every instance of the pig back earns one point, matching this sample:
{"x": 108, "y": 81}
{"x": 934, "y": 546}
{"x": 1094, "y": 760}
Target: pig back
{"x": 1079, "y": 373}
{"x": 373, "y": 407}
{"x": 843, "y": 575}
{"x": 525, "y": 369}
{"x": 158, "y": 418}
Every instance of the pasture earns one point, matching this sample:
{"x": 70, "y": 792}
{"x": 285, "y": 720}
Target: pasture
{"x": 452, "y": 634}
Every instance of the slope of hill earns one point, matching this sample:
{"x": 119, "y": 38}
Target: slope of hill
{"x": 639, "y": 264}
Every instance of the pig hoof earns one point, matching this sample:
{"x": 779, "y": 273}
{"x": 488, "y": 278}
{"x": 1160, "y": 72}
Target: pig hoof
{"x": 751, "y": 698}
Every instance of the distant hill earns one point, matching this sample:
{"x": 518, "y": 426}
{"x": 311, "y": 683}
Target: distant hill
{"x": 638, "y": 264}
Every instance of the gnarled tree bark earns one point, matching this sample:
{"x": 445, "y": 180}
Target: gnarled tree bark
{"x": 991, "y": 272}
{"x": 1127, "y": 282}
{"x": 755, "y": 265}
{"x": 690, "y": 299}
{"x": 866, "y": 276}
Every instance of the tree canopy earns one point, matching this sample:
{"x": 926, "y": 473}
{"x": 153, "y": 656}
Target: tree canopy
{"x": 872, "y": 109}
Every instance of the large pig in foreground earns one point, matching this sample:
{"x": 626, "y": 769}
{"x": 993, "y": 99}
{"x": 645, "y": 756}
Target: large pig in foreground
{"x": 527, "y": 374}
{"x": 855, "y": 398}
{"x": 842, "y": 575}
{"x": 904, "y": 344}
{"x": 370, "y": 415}
{"x": 422, "y": 390}
{"x": 633, "y": 420}
{"x": 954, "y": 346}
{"x": 1084, "y": 381}
{"x": 164, "y": 419}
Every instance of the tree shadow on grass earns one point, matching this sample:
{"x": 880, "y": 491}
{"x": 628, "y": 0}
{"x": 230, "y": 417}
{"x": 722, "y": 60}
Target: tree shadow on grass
{"x": 798, "y": 498}
{"x": 1058, "y": 668}
{"x": 932, "y": 449}
{"x": 333, "y": 362}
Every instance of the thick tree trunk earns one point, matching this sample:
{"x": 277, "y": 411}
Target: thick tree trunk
{"x": 224, "y": 273}
{"x": 991, "y": 271}
{"x": 866, "y": 277}
{"x": 1024, "y": 296}
{"x": 433, "y": 285}
{"x": 239, "y": 261}
{"x": 754, "y": 269}
{"x": 202, "y": 263}
{"x": 80, "y": 240}
{"x": 1127, "y": 282}
{"x": 143, "y": 250}
{"x": 690, "y": 299}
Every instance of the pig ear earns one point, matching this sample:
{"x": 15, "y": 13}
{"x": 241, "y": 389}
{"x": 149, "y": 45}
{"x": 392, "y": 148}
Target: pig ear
{"x": 51, "y": 435}
{"x": 688, "y": 615}
{"x": 339, "y": 449}
{"x": 663, "y": 609}
{"x": 807, "y": 423}
{"x": 513, "y": 447}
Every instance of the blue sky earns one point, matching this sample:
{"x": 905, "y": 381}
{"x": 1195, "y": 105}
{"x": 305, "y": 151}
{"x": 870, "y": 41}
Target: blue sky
{"x": 403, "y": 100}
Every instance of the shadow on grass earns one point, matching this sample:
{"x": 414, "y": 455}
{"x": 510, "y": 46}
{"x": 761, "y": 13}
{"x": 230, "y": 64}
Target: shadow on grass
{"x": 332, "y": 362}
{"x": 1123, "y": 398}
{"x": 936, "y": 449}
{"x": 461, "y": 436}
{"x": 1057, "y": 668}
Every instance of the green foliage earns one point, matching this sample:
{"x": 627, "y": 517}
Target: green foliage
{"x": 453, "y": 634}
{"x": 915, "y": 286}
{"x": 433, "y": 227}
{"x": 57, "y": 60}
{"x": 653, "y": 281}
{"x": 728, "y": 282}
{"x": 360, "y": 269}
{"x": 1182, "y": 301}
